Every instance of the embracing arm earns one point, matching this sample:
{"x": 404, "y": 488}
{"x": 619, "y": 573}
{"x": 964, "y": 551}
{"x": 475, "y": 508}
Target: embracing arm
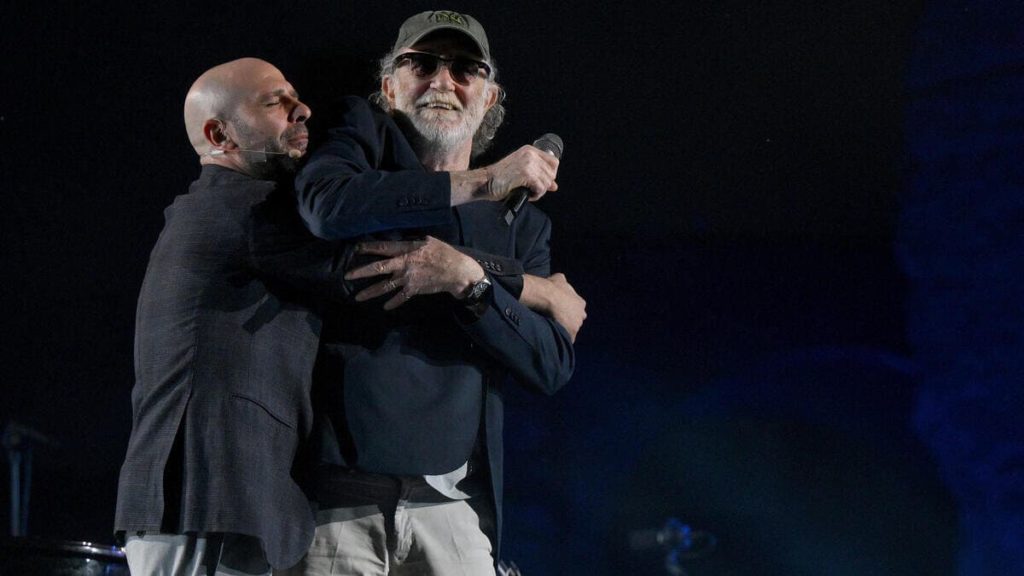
{"x": 526, "y": 335}
{"x": 366, "y": 178}
{"x": 534, "y": 348}
{"x": 284, "y": 254}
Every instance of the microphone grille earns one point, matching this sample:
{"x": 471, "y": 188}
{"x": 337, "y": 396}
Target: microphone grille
{"x": 551, "y": 144}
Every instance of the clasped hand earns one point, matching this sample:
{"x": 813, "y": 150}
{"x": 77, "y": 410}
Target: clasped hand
{"x": 414, "y": 267}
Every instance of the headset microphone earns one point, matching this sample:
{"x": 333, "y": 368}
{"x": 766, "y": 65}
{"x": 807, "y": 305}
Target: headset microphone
{"x": 291, "y": 153}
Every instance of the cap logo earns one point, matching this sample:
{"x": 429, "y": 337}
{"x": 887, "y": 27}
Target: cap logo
{"x": 447, "y": 17}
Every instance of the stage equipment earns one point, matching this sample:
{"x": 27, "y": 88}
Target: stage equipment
{"x": 679, "y": 541}
{"x": 30, "y": 557}
{"x": 18, "y": 441}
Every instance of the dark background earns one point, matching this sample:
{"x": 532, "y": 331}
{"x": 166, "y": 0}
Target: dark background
{"x": 729, "y": 205}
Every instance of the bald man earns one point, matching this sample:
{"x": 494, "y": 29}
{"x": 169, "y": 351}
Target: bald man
{"x": 226, "y": 336}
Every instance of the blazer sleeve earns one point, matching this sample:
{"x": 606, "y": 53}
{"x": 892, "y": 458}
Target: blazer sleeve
{"x": 535, "y": 349}
{"x": 508, "y": 272}
{"x": 365, "y": 178}
{"x": 285, "y": 254}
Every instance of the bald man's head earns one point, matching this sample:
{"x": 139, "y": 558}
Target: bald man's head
{"x": 245, "y": 105}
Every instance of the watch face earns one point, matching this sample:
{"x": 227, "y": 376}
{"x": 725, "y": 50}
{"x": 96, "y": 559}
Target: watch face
{"x": 479, "y": 289}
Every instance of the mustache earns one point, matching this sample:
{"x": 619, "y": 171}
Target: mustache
{"x": 437, "y": 98}
{"x": 296, "y": 131}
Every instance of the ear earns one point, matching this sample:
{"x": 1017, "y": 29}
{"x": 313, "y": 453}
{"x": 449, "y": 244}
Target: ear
{"x": 387, "y": 88}
{"x": 214, "y": 131}
{"x": 492, "y": 95}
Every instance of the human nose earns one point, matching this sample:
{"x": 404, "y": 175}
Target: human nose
{"x": 443, "y": 78}
{"x": 300, "y": 112}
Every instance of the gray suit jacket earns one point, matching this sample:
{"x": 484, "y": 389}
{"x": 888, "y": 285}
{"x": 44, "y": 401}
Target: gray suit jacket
{"x": 224, "y": 350}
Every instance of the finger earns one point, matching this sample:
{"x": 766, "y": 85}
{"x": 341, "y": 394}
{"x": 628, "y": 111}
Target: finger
{"x": 387, "y": 247}
{"x": 539, "y": 192}
{"x": 547, "y": 156}
{"x": 376, "y": 290}
{"x": 551, "y": 164}
{"x": 534, "y": 196}
{"x": 398, "y": 299}
{"x": 373, "y": 269}
{"x": 539, "y": 186}
{"x": 548, "y": 164}
{"x": 550, "y": 159}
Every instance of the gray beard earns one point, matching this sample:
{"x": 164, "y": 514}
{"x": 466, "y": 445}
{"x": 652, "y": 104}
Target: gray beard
{"x": 436, "y": 139}
{"x": 439, "y": 140}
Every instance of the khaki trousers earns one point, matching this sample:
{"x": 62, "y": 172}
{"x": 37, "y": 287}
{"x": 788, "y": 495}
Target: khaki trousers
{"x": 398, "y": 527}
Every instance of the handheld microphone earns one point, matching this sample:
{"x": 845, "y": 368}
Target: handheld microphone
{"x": 291, "y": 153}
{"x": 549, "y": 143}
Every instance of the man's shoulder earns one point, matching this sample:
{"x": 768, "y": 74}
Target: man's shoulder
{"x": 361, "y": 130}
{"x": 220, "y": 195}
{"x": 354, "y": 111}
{"x": 222, "y": 185}
{"x": 357, "y": 104}
{"x": 348, "y": 110}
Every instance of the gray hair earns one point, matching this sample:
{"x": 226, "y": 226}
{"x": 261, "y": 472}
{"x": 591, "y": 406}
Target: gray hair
{"x": 493, "y": 118}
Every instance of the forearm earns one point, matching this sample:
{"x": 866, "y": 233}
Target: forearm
{"x": 525, "y": 169}
{"x": 555, "y": 298}
{"x": 366, "y": 178}
{"x": 536, "y": 294}
{"x": 536, "y": 350}
{"x": 283, "y": 253}
{"x": 468, "y": 186}
{"x": 338, "y": 200}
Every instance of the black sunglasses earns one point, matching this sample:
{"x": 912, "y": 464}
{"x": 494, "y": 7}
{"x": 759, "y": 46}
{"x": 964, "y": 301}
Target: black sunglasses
{"x": 425, "y": 65}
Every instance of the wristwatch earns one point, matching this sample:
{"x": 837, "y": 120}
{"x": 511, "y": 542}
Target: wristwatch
{"x": 477, "y": 291}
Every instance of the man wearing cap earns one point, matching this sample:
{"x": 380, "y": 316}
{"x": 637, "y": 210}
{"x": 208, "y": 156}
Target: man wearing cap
{"x": 408, "y": 383}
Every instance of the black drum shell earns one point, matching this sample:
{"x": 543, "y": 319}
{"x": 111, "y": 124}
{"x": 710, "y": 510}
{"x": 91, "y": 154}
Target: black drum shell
{"x": 34, "y": 557}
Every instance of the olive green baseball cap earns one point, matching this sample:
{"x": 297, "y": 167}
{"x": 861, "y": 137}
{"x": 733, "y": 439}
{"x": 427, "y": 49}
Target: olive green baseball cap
{"x": 419, "y": 26}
